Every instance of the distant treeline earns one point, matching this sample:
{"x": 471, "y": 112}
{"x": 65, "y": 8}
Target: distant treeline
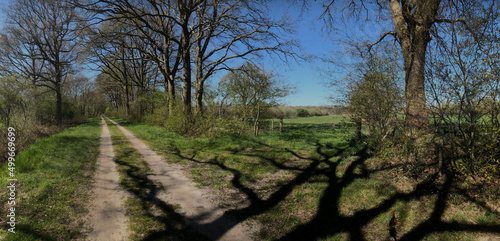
{"x": 305, "y": 111}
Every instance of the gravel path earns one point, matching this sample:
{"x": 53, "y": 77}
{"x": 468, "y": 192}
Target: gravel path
{"x": 107, "y": 215}
{"x": 195, "y": 203}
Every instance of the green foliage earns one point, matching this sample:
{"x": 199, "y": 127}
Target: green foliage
{"x": 179, "y": 122}
{"x": 302, "y": 113}
{"x": 475, "y": 157}
{"x": 252, "y": 90}
{"x": 146, "y": 104}
{"x": 292, "y": 111}
{"x": 375, "y": 96}
{"x": 12, "y": 101}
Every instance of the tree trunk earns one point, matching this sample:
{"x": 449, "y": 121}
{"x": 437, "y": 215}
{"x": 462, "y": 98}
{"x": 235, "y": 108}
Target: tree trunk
{"x": 359, "y": 125}
{"x": 58, "y": 104}
{"x": 170, "y": 92}
{"x": 127, "y": 98}
{"x": 186, "y": 58}
{"x": 199, "y": 86}
{"x": 169, "y": 78}
{"x": 412, "y": 25}
{"x": 417, "y": 119}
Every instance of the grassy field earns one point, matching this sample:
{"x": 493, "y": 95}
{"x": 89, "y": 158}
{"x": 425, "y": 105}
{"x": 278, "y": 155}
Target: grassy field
{"x": 328, "y": 119}
{"x": 53, "y": 178}
{"x": 313, "y": 182}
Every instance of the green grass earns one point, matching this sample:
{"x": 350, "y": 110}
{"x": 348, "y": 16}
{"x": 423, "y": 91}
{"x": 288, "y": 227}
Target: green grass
{"x": 150, "y": 218}
{"x": 329, "y": 119}
{"x": 53, "y": 179}
{"x": 313, "y": 182}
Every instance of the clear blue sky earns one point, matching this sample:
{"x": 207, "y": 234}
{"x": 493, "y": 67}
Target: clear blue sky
{"x": 305, "y": 76}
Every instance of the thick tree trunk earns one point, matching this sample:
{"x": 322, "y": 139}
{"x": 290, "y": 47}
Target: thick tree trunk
{"x": 168, "y": 81}
{"x": 412, "y": 22}
{"x": 417, "y": 119}
{"x": 170, "y": 94}
{"x": 185, "y": 14}
{"x": 359, "y": 126}
{"x": 199, "y": 88}
{"x": 186, "y": 62}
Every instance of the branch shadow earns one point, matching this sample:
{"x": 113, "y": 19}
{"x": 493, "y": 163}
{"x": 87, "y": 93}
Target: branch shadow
{"x": 328, "y": 221}
{"x": 146, "y": 191}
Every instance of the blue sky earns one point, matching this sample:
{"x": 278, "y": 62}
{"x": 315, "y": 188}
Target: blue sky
{"x": 307, "y": 77}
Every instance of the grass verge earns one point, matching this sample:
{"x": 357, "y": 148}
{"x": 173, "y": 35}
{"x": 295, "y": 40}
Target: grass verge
{"x": 53, "y": 178}
{"x": 150, "y": 218}
{"x": 314, "y": 183}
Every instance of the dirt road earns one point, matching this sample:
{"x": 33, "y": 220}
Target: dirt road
{"x": 107, "y": 215}
{"x": 203, "y": 214}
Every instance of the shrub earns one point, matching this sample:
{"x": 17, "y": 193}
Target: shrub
{"x": 302, "y": 113}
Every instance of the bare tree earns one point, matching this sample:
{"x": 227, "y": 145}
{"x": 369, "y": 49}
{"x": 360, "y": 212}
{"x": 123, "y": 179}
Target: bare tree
{"x": 222, "y": 33}
{"x": 253, "y": 90}
{"x": 43, "y": 43}
{"x": 463, "y": 80}
{"x": 413, "y": 22}
{"x": 156, "y": 26}
{"x": 206, "y": 33}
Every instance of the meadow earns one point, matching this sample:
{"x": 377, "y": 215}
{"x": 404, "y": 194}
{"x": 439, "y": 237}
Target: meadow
{"x": 311, "y": 182}
{"x": 315, "y": 182}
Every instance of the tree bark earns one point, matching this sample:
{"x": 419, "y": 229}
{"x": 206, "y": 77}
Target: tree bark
{"x": 58, "y": 103}
{"x": 199, "y": 86}
{"x": 185, "y": 14}
{"x": 412, "y": 21}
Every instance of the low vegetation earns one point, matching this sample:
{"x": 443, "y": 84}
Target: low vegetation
{"x": 53, "y": 175}
{"x": 315, "y": 181}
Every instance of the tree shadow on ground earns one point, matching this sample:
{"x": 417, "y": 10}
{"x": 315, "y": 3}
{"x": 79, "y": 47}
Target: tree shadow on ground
{"x": 328, "y": 221}
{"x": 145, "y": 190}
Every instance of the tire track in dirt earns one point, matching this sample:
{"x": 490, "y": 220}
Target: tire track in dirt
{"x": 107, "y": 213}
{"x": 204, "y": 215}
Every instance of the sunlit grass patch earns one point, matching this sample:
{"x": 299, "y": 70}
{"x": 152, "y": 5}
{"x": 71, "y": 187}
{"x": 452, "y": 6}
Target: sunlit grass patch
{"x": 54, "y": 175}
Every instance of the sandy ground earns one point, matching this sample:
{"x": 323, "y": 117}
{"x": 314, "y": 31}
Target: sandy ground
{"x": 107, "y": 214}
{"x": 202, "y": 213}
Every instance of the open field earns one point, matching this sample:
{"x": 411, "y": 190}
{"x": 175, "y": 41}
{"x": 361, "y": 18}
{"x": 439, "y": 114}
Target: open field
{"x": 314, "y": 183}
{"x": 328, "y": 119}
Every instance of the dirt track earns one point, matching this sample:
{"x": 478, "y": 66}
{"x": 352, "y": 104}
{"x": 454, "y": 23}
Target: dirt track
{"x": 107, "y": 216}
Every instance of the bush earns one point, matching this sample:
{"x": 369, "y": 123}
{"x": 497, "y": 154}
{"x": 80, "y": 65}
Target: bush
{"x": 179, "y": 122}
{"x": 302, "y": 113}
